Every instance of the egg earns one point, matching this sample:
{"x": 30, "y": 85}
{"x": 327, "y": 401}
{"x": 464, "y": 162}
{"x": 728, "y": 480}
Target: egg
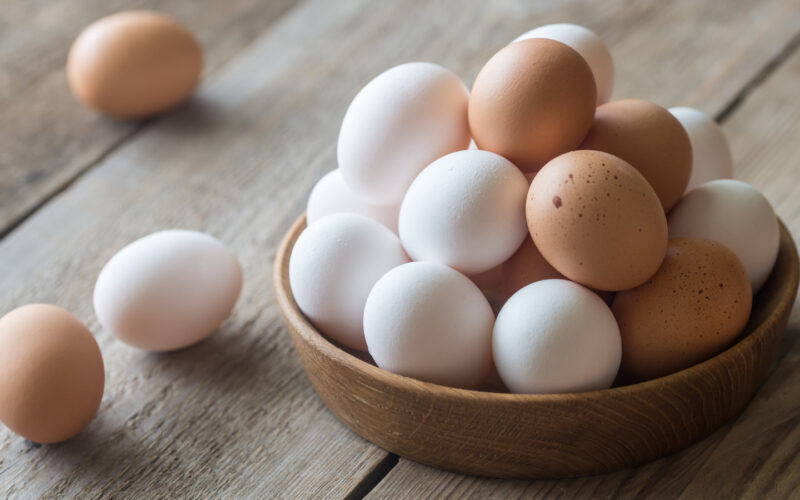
{"x": 331, "y": 196}
{"x": 333, "y": 266}
{"x": 51, "y": 373}
{"x": 555, "y": 336}
{"x": 427, "y": 321}
{"x": 586, "y": 43}
{"x": 532, "y": 101}
{"x": 526, "y": 266}
{"x": 692, "y": 308}
{"x": 465, "y": 210}
{"x": 596, "y": 220}
{"x": 735, "y": 214}
{"x": 648, "y": 137}
{"x": 401, "y": 121}
{"x": 134, "y": 64}
{"x": 167, "y": 290}
{"x": 711, "y": 154}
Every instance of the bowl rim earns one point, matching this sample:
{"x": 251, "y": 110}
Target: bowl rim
{"x": 322, "y": 344}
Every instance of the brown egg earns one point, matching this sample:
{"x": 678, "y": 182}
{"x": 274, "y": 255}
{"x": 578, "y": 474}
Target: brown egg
{"x": 51, "y": 373}
{"x": 532, "y": 101}
{"x": 134, "y": 64}
{"x": 648, "y": 137}
{"x": 523, "y": 268}
{"x": 596, "y": 220}
{"x": 691, "y": 309}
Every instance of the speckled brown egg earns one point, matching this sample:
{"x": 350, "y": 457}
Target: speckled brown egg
{"x": 532, "y": 101}
{"x": 691, "y": 309}
{"x": 134, "y": 64}
{"x": 51, "y": 373}
{"x": 596, "y": 220}
{"x": 648, "y": 137}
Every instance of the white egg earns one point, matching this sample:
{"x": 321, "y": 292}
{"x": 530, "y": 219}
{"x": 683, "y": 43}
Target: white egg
{"x": 586, "y": 43}
{"x": 402, "y": 120}
{"x": 555, "y": 336}
{"x": 167, "y": 290}
{"x": 735, "y": 214}
{"x": 333, "y": 266}
{"x": 427, "y": 321}
{"x": 465, "y": 210}
{"x": 331, "y": 196}
{"x": 711, "y": 154}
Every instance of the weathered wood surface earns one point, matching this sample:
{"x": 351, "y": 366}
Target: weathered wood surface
{"x": 235, "y": 416}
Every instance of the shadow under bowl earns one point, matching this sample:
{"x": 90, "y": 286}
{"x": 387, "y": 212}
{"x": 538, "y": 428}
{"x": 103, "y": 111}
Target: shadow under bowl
{"x": 542, "y": 436}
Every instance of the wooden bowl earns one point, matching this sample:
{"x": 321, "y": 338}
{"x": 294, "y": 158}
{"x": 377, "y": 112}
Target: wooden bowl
{"x": 542, "y": 436}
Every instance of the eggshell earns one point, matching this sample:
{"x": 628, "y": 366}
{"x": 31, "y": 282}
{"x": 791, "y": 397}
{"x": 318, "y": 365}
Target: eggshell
{"x": 556, "y": 336}
{"x": 596, "y": 220}
{"x": 333, "y": 266}
{"x": 425, "y": 320}
{"x": 526, "y": 266}
{"x": 692, "y": 308}
{"x": 648, "y": 137}
{"x": 398, "y": 123}
{"x": 134, "y": 64}
{"x": 51, "y": 373}
{"x": 331, "y": 196}
{"x": 711, "y": 154}
{"x": 735, "y": 214}
{"x": 465, "y": 210}
{"x": 167, "y": 290}
{"x": 532, "y": 101}
{"x": 586, "y": 43}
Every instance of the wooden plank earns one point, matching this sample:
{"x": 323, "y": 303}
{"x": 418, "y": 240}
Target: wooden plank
{"x": 234, "y": 415}
{"x": 46, "y": 136}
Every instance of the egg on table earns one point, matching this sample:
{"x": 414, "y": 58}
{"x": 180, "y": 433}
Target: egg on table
{"x": 134, "y": 64}
{"x": 51, "y": 373}
{"x": 167, "y": 290}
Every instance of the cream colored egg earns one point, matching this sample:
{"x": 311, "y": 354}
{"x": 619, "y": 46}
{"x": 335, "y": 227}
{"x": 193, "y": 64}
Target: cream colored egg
{"x": 401, "y": 121}
{"x": 331, "y": 196}
{"x": 556, "y": 336}
{"x": 430, "y": 322}
{"x": 711, "y": 153}
{"x": 167, "y": 290}
{"x": 333, "y": 266}
{"x": 465, "y": 210}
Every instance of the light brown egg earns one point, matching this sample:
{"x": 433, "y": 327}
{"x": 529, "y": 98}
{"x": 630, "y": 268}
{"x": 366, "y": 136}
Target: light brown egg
{"x": 532, "y": 101}
{"x": 523, "y": 268}
{"x": 596, "y": 220}
{"x": 51, "y": 373}
{"x": 648, "y": 137}
{"x": 691, "y": 309}
{"x": 134, "y": 64}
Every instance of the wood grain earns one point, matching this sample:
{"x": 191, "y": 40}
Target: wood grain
{"x": 47, "y": 137}
{"x": 235, "y": 416}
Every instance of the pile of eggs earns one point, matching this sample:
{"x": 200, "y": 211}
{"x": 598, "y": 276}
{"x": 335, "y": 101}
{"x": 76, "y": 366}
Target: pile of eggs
{"x": 530, "y": 226}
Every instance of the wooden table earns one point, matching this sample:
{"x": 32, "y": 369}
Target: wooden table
{"x": 235, "y": 416}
